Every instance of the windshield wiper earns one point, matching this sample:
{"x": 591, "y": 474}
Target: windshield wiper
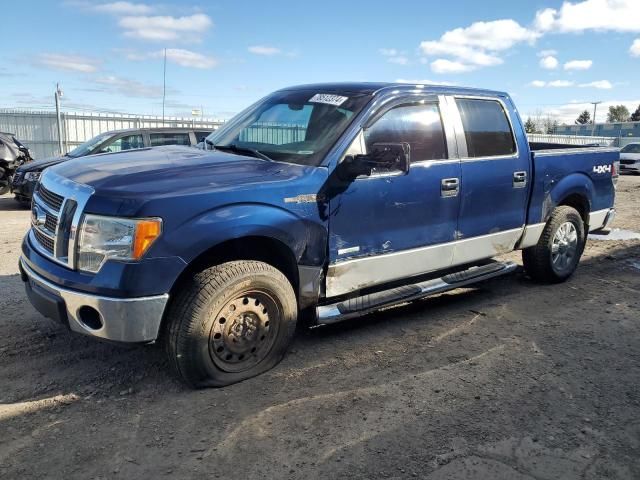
{"x": 240, "y": 150}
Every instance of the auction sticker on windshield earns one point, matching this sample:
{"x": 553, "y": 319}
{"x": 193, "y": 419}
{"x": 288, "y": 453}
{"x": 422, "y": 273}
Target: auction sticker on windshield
{"x": 329, "y": 99}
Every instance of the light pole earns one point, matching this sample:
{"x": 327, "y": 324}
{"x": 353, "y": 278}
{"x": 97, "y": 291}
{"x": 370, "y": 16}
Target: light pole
{"x": 57, "y": 96}
{"x": 595, "y": 109}
{"x": 164, "y": 83}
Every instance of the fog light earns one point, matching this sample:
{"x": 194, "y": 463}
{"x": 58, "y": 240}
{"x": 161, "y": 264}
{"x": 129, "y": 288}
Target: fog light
{"x": 90, "y": 317}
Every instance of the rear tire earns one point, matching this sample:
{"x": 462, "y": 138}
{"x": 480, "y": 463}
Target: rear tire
{"x": 555, "y": 258}
{"x": 229, "y": 323}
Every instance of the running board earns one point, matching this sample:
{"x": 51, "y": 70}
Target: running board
{"x": 358, "y": 306}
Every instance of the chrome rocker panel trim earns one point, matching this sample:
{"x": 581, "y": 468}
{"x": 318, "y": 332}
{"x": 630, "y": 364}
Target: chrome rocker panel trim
{"x": 131, "y": 320}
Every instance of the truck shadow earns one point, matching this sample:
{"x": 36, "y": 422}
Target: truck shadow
{"x": 8, "y": 203}
{"x": 39, "y": 358}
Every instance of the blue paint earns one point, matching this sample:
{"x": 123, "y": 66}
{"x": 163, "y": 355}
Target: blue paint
{"x": 206, "y": 198}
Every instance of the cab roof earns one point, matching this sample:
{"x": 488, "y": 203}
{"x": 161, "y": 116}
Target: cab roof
{"x": 372, "y": 88}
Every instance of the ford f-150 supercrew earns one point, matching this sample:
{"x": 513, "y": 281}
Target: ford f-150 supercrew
{"x": 334, "y": 200}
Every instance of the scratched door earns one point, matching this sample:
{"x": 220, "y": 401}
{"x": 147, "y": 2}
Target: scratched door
{"x": 380, "y": 225}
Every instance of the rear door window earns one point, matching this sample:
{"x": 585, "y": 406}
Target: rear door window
{"x": 486, "y": 128}
{"x": 159, "y": 139}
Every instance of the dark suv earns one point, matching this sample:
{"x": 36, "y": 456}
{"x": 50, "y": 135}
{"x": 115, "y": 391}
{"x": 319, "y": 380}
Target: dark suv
{"x": 26, "y": 177}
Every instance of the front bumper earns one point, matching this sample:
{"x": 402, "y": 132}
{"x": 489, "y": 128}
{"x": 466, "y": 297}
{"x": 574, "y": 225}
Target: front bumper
{"x": 131, "y": 320}
{"x": 22, "y": 188}
{"x": 630, "y": 167}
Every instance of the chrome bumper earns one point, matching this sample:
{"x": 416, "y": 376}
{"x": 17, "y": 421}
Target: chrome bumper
{"x": 135, "y": 320}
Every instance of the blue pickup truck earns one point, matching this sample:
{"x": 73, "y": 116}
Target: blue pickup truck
{"x": 324, "y": 201}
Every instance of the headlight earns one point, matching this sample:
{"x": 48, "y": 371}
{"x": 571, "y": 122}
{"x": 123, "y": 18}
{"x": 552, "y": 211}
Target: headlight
{"x": 32, "y": 176}
{"x": 104, "y": 238}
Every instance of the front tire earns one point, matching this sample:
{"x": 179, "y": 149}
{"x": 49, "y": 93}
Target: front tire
{"x": 230, "y": 322}
{"x": 555, "y": 258}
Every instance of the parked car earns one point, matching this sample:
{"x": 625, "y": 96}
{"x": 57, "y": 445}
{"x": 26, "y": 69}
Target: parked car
{"x": 335, "y": 200}
{"x": 12, "y": 155}
{"x": 630, "y": 158}
{"x": 109, "y": 142}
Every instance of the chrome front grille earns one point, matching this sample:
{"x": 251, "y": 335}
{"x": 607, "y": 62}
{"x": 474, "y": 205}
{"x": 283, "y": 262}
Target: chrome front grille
{"x": 50, "y": 199}
{"x": 56, "y": 211}
{"x": 51, "y": 223}
{"x": 45, "y": 241}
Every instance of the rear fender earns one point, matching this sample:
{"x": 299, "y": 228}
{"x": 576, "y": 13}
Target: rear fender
{"x": 575, "y": 184}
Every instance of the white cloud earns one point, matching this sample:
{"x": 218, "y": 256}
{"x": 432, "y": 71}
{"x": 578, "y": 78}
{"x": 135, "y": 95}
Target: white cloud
{"x": 601, "y": 84}
{"x": 394, "y": 56}
{"x": 442, "y": 65}
{"x": 616, "y": 15}
{"x": 496, "y": 35}
{"x": 187, "y": 58}
{"x": 122, "y": 8}
{"x": 461, "y": 53}
{"x": 71, "y": 63}
{"x": 127, "y": 87}
{"x": 165, "y": 28}
{"x": 578, "y": 65}
{"x": 551, "y": 84}
{"x": 549, "y": 62}
{"x": 476, "y": 45}
{"x": 547, "y": 53}
{"x": 560, "y": 84}
{"x": 400, "y": 60}
{"x": 635, "y": 48}
{"x": 569, "y": 112}
{"x": 264, "y": 50}
{"x": 423, "y": 82}
{"x": 388, "y": 52}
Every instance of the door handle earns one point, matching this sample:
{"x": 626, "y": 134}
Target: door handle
{"x": 519, "y": 179}
{"x": 449, "y": 187}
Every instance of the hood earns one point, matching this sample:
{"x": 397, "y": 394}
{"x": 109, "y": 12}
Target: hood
{"x": 629, "y": 156}
{"x": 39, "y": 165}
{"x": 172, "y": 170}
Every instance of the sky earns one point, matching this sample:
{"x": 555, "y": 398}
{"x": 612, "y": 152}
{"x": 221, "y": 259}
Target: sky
{"x": 553, "y": 57}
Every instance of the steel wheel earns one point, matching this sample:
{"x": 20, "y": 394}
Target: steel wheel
{"x": 564, "y": 249}
{"x": 244, "y": 331}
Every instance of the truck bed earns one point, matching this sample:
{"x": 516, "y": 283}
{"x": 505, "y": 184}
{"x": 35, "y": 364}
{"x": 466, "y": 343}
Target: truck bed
{"x": 591, "y": 169}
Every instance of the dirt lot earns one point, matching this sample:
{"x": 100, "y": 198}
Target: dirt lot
{"x": 508, "y": 380}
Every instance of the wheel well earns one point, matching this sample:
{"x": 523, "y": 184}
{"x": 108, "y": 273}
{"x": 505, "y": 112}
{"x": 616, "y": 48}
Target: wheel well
{"x": 580, "y": 203}
{"x": 263, "y": 249}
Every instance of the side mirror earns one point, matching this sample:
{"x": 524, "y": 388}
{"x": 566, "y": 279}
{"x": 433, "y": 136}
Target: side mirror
{"x": 394, "y": 157}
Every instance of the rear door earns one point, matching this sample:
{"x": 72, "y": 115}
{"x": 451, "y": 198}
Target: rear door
{"x": 494, "y": 188}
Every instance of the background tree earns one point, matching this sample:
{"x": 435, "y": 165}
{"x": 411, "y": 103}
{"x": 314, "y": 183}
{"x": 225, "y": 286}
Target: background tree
{"x": 583, "y": 118}
{"x": 618, "y": 113}
{"x": 549, "y": 125}
{"x": 635, "y": 116}
{"x": 530, "y": 126}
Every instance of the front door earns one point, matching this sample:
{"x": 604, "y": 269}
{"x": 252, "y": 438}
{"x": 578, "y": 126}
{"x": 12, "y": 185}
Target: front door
{"x": 392, "y": 225}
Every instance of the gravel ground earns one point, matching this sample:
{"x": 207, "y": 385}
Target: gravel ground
{"x": 507, "y": 380}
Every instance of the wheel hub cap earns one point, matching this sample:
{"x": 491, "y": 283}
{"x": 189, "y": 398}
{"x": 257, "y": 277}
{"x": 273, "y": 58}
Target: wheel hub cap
{"x": 242, "y": 332}
{"x": 565, "y": 247}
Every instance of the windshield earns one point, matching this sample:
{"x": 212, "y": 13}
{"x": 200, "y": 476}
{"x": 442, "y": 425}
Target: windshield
{"x": 297, "y": 126}
{"x": 89, "y": 145}
{"x": 631, "y": 148}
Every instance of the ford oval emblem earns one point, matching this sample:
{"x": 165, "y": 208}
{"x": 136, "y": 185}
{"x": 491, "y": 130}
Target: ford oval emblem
{"x": 38, "y": 216}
